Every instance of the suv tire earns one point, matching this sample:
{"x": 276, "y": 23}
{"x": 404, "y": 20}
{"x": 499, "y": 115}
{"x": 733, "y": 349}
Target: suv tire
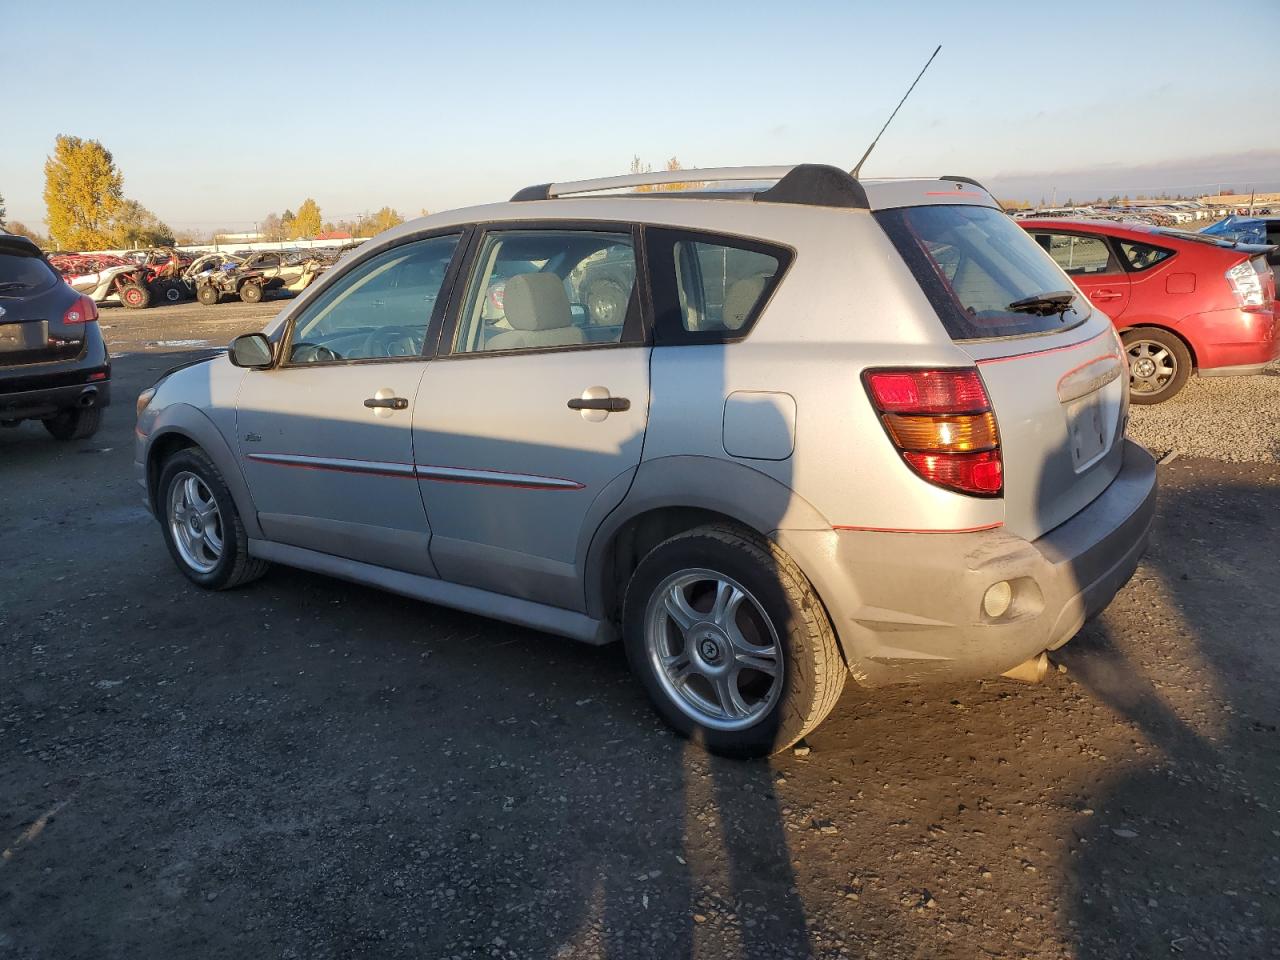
{"x": 747, "y": 605}
{"x": 202, "y": 527}
{"x": 75, "y": 423}
{"x": 1164, "y": 355}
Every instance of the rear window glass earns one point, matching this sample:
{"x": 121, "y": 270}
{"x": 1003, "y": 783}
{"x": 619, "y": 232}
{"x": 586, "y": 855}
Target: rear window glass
{"x": 24, "y": 273}
{"x": 985, "y": 275}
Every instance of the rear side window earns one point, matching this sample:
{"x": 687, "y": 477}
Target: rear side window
{"x": 708, "y": 288}
{"x": 1078, "y": 256}
{"x": 1142, "y": 256}
{"x": 982, "y": 273}
{"x": 22, "y": 273}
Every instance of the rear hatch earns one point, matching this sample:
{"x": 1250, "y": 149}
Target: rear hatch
{"x": 1052, "y": 364}
{"x": 34, "y": 301}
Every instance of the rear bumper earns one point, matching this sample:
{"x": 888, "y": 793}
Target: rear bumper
{"x": 47, "y": 401}
{"x": 907, "y": 607}
{"x": 1233, "y": 341}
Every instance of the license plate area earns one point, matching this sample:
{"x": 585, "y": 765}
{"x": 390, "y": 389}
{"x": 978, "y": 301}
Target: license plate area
{"x": 1087, "y": 429}
{"x": 24, "y": 337}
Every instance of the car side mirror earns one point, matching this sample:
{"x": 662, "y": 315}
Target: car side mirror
{"x": 251, "y": 351}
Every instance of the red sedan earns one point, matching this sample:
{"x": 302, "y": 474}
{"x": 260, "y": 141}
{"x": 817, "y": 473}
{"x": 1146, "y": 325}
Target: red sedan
{"x": 1182, "y": 301}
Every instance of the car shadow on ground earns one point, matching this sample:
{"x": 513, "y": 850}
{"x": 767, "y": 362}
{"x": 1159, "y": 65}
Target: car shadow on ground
{"x": 1180, "y": 855}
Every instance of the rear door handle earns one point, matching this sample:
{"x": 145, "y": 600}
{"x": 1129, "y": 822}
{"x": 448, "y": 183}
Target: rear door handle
{"x": 388, "y": 403}
{"x": 607, "y": 404}
{"x": 1106, "y": 295}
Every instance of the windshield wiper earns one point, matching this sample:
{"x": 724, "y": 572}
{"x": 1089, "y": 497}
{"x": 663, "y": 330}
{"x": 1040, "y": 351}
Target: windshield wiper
{"x": 1044, "y": 304}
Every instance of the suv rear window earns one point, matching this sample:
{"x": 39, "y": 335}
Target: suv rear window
{"x": 973, "y": 263}
{"x": 22, "y": 273}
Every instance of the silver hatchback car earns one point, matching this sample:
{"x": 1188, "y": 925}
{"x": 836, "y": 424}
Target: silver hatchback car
{"x": 772, "y": 432}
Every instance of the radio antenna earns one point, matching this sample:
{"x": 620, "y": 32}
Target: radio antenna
{"x": 856, "y": 170}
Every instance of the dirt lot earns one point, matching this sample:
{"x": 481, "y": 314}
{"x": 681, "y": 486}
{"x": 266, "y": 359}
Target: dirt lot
{"x": 310, "y": 769}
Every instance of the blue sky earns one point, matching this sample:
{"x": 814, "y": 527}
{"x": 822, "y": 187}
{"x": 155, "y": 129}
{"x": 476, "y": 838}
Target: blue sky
{"x": 220, "y": 114}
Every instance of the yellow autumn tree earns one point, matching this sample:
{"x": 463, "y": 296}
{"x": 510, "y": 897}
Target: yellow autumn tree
{"x": 306, "y": 222}
{"x": 672, "y": 165}
{"x": 386, "y": 218}
{"x": 82, "y": 192}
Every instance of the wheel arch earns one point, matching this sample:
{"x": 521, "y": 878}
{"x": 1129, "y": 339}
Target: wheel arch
{"x": 671, "y": 495}
{"x": 180, "y": 427}
{"x": 1169, "y": 329}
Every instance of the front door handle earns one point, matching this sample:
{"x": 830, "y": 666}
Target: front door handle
{"x": 607, "y": 404}
{"x": 387, "y": 403}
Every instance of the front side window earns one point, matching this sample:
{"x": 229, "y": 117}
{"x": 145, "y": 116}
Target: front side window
{"x": 378, "y": 311}
{"x": 1142, "y": 256}
{"x": 1078, "y": 256}
{"x": 540, "y": 289}
{"x": 985, "y": 276}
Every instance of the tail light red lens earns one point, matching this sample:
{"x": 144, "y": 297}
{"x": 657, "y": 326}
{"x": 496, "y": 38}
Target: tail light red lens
{"x": 84, "y": 310}
{"x": 941, "y": 422}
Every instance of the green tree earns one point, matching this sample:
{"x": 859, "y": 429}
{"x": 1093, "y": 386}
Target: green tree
{"x": 307, "y": 222}
{"x": 82, "y": 191}
{"x": 136, "y": 226}
{"x": 1, "y": 211}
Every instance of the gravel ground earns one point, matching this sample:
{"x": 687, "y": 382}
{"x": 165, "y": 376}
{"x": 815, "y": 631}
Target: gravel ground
{"x": 310, "y": 769}
{"x": 1236, "y": 419}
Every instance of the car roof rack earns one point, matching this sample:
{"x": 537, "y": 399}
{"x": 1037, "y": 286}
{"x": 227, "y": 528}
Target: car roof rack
{"x": 810, "y": 184}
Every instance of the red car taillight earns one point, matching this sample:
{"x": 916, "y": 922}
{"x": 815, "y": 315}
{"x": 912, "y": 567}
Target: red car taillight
{"x": 941, "y": 422}
{"x": 84, "y": 310}
{"x": 1253, "y": 284}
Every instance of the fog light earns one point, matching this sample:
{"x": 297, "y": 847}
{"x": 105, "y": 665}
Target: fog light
{"x": 997, "y": 600}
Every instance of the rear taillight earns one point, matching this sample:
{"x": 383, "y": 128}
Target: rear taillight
{"x": 1254, "y": 287}
{"x": 84, "y": 310}
{"x": 941, "y": 422}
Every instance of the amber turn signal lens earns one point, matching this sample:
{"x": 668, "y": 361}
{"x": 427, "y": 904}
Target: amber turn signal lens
{"x": 962, "y": 433}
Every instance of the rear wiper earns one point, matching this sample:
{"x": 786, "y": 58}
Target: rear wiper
{"x": 1044, "y": 304}
{"x": 14, "y": 285}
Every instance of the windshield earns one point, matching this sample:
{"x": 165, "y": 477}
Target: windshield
{"x": 983, "y": 273}
{"x": 1242, "y": 229}
{"x": 22, "y": 272}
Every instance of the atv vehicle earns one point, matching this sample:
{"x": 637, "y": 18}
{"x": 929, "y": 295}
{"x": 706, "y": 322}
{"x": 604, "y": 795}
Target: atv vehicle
{"x": 259, "y": 273}
{"x": 105, "y": 278}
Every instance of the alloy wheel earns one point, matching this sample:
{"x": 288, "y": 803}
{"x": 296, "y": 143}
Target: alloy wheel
{"x": 713, "y": 649}
{"x": 1151, "y": 366}
{"x": 195, "y": 522}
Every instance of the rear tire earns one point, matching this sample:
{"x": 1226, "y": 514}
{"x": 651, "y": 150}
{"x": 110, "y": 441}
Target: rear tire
{"x": 201, "y": 525}
{"x": 1159, "y": 364}
{"x": 251, "y": 293}
{"x": 135, "y": 296}
{"x": 207, "y": 294}
{"x": 76, "y": 423}
{"x": 748, "y": 663}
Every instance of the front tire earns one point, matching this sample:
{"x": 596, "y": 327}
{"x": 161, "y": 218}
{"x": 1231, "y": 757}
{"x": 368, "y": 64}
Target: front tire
{"x": 135, "y": 296}
{"x": 251, "y": 293}
{"x": 208, "y": 294}
{"x": 1159, "y": 364}
{"x": 730, "y": 641}
{"x": 77, "y": 423}
{"x": 202, "y": 527}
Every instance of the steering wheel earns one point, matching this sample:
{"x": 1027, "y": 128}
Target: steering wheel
{"x": 395, "y": 342}
{"x": 312, "y": 353}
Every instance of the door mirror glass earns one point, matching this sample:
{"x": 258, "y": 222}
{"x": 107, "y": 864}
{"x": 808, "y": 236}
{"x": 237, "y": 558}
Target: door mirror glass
{"x": 251, "y": 351}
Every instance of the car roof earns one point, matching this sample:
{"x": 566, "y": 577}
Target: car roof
{"x": 16, "y": 242}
